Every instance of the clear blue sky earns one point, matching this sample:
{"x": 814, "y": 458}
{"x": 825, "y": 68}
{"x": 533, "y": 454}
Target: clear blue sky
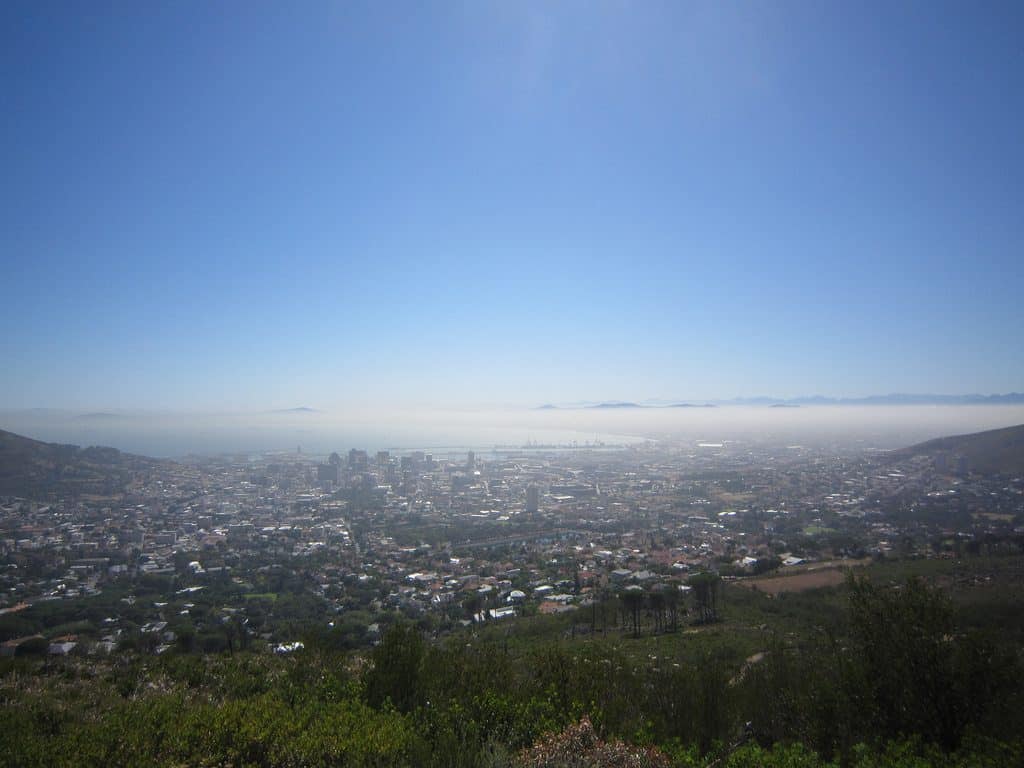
{"x": 245, "y": 205}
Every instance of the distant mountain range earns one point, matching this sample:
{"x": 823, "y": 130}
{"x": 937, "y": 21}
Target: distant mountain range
{"x": 996, "y": 450}
{"x": 1011, "y": 398}
{"x": 44, "y": 471}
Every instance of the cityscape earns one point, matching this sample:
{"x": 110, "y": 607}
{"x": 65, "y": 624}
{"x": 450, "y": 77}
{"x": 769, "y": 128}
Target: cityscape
{"x": 280, "y": 547}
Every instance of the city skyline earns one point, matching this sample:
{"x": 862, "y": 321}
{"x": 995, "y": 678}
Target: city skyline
{"x": 243, "y": 208}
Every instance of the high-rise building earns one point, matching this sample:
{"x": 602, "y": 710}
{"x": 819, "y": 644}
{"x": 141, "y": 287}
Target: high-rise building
{"x": 532, "y": 498}
{"x": 329, "y": 473}
{"x": 357, "y": 459}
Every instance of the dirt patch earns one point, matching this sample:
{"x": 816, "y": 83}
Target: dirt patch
{"x": 797, "y": 582}
{"x": 1003, "y": 518}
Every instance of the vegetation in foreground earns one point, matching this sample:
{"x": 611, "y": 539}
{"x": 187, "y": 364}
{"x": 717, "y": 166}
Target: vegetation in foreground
{"x": 896, "y": 679}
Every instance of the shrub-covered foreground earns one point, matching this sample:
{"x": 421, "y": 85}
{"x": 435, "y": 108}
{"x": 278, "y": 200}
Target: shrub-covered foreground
{"x": 897, "y": 684}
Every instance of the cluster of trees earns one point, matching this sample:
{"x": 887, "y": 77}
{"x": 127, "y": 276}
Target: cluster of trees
{"x": 896, "y": 682}
{"x": 665, "y": 606}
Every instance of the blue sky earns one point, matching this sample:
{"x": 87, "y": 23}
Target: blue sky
{"x": 240, "y": 205}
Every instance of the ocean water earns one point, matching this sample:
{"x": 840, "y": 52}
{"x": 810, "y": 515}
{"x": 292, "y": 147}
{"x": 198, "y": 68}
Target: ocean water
{"x": 169, "y": 434}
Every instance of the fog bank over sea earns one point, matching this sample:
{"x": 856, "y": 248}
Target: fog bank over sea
{"x": 169, "y": 434}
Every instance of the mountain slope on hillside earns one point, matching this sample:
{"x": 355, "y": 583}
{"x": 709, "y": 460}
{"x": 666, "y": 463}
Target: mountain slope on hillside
{"x": 38, "y": 470}
{"x": 997, "y": 450}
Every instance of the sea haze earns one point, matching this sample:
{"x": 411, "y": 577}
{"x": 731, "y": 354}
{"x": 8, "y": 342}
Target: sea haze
{"x": 167, "y": 434}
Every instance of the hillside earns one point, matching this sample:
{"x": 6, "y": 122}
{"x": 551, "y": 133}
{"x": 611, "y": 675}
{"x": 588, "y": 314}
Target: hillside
{"x": 38, "y": 470}
{"x": 994, "y": 451}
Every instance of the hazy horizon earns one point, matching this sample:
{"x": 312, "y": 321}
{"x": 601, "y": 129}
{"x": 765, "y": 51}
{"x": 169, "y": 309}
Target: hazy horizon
{"x": 175, "y": 434}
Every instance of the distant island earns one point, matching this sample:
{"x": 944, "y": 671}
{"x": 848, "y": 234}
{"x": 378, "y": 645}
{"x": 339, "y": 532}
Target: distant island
{"x": 648, "y": 405}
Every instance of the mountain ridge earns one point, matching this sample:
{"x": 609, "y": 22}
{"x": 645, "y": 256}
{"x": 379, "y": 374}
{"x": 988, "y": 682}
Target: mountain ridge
{"x": 43, "y": 471}
{"x": 896, "y": 398}
{"x": 999, "y": 451}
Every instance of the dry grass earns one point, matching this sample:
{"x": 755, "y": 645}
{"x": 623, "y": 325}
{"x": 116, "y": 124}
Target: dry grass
{"x": 801, "y": 578}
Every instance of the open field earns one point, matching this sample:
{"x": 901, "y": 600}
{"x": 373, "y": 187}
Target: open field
{"x": 801, "y": 578}
{"x": 797, "y": 582}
